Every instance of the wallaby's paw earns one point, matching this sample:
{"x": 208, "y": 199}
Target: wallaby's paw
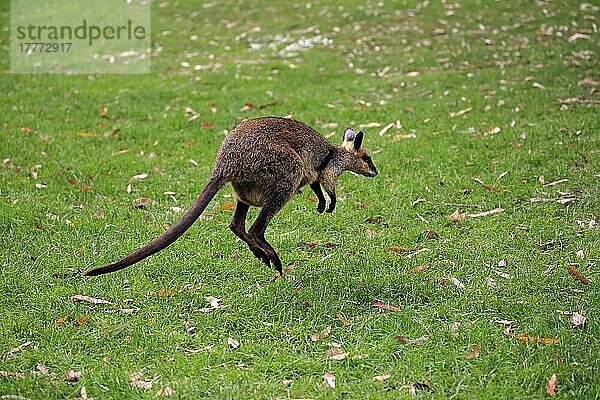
{"x": 321, "y": 208}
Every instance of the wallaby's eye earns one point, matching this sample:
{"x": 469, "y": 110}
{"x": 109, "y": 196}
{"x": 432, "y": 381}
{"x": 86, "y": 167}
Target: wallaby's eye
{"x": 366, "y": 158}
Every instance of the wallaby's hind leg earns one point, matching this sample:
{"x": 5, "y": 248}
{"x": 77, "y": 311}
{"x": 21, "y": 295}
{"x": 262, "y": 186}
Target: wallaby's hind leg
{"x": 238, "y": 227}
{"x": 257, "y": 233}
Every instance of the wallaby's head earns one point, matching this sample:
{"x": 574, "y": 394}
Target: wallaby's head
{"x": 359, "y": 161}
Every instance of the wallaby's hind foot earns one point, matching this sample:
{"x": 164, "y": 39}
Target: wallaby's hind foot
{"x": 238, "y": 227}
{"x": 266, "y": 252}
{"x": 256, "y": 233}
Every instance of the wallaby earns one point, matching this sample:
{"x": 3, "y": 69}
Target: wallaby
{"x": 267, "y": 160}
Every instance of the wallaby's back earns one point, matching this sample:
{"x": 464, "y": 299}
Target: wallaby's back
{"x": 264, "y": 151}
{"x": 249, "y": 144}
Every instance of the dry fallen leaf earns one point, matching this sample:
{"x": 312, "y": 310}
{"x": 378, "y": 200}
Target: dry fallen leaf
{"x": 319, "y": 335}
{"x": 473, "y": 352}
{"x": 62, "y": 320}
{"x": 381, "y": 378}
{"x": 129, "y": 310}
{"x": 556, "y": 182}
{"x": 412, "y": 342}
{"x": 385, "y": 306}
{"x": 501, "y": 274}
{"x": 336, "y": 354}
{"x": 577, "y": 275}
{"x": 503, "y": 321}
{"x": 486, "y": 213}
{"x": 120, "y": 151}
{"x": 83, "y": 394}
{"x": 369, "y": 233}
{"x": 329, "y": 380}
{"x": 165, "y": 293}
{"x": 560, "y": 200}
{"x": 18, "y": 348}
{"x": 88, "y": 299}
{"x": 551, "y": 385}
{"x": 247, "y": 106}
{"x": 232, "y": 343}
{"x": 460, "y": 112}
{"x": 137, "y": 381}
{"x": 538, "y": 85}
{"x": 375, "y": 220}
{"x": 455, "y": 281}
{"x": 139, "y": 177}
{"x": 214, "y": 304}
{"x": 587, "y": 81}
{"x": 84, "y": 319}
{"x": 577, "y": 320}
{"x": 536, "y": 339}
{"x": 405, "y": 136}
{"x": 225, "y": 207}
{"x": 385, "y": 129}
{"x": 9, "y": 374}
{"x": 429, "y": 234}
{"x": 457, "y": 216}
{"x": 73, "y": 376}
{"x": 186, "y": 326}
{"x": 165, "y": 392}
{"x": 419, "y": 269}
{"x": 343, "y": 319}
{"x": 41, "y": 369}
{"x": 141, "y": 202}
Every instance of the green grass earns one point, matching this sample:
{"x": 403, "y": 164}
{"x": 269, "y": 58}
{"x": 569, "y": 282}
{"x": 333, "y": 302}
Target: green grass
{"x": 485, "y": 56}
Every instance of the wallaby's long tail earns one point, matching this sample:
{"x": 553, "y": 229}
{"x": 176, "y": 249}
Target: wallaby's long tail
{"x": 170, "y": 235}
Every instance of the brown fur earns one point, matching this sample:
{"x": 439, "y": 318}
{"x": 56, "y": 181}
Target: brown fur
{"x": 267, "y": 160}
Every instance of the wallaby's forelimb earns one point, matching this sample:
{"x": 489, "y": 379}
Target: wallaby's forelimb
{"x": 316, "y": 187}
{"x": 332, "y": 201}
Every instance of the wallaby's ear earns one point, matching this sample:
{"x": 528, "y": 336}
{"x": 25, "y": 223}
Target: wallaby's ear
{"x": 349, "y": 137}
{"x": 358, "y": 141}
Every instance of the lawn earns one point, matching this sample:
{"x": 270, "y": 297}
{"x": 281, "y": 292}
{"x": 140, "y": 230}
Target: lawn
{"x": 461, "y": 271}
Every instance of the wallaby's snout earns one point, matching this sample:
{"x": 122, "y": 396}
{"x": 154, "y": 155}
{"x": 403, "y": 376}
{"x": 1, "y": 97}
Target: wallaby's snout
{"x": 372, "y": 170}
